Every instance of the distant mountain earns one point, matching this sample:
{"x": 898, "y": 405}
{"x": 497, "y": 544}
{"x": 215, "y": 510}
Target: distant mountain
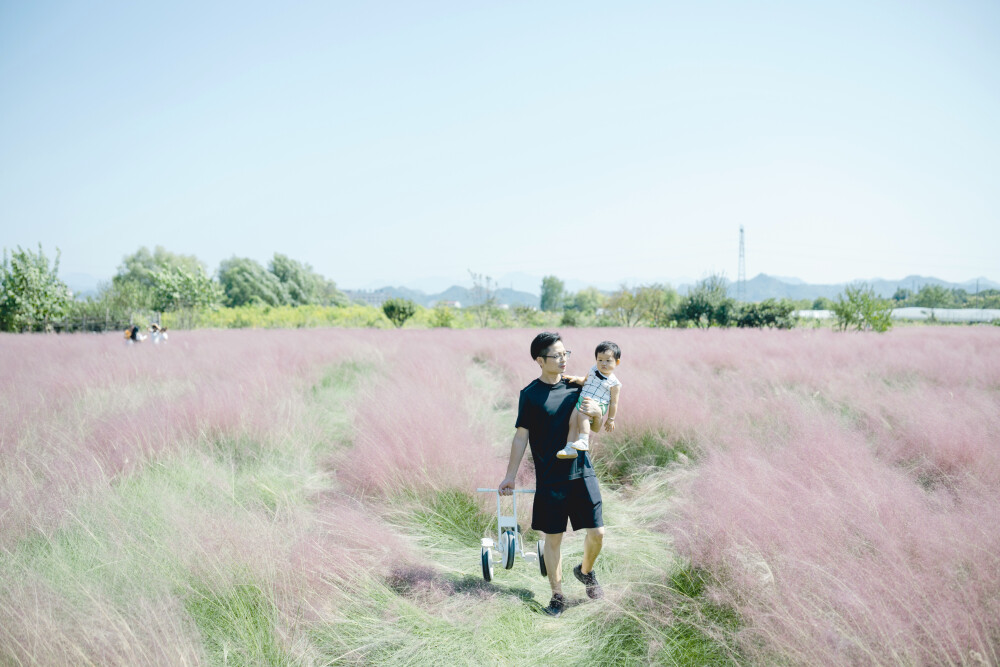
{"x": 763, "y": 286}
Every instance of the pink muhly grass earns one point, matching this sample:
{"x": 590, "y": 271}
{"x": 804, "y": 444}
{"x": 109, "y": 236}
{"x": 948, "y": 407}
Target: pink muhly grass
{"x": 84, "y": 409}
{"x": 844, "y": 497}
{"x": 845, "y": 500}
{"x": 835, "y": 557}
{"x": 413, "y": 430}
{"x": 47, "y": 627}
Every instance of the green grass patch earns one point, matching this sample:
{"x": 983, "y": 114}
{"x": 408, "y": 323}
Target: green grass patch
{"x": 667, "y": 621}
{"x": 237, "y": 451}
{"x": 342, "y": 377}
{"x": 624, "y": 459}
{"x": 448, "y": 620}
{"x": 236, "y": 625}
{"x": 704, "y": 633}
{"x": 455, "y": 515}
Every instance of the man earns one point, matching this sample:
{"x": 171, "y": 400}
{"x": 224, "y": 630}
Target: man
{"x": 565, "y": 489}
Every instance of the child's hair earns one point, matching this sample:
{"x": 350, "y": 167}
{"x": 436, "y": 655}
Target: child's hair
{"x": 608, "y": 346}
{"x": 543, "y": 342}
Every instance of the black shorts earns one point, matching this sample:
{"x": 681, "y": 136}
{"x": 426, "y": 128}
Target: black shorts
{"x": 578, "y": 500}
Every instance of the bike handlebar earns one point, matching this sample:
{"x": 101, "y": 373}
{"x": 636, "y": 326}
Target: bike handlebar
{"x": 513, "y": 491}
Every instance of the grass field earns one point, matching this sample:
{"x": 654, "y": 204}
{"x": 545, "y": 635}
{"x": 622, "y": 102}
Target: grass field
{"x": 306, "y": 497}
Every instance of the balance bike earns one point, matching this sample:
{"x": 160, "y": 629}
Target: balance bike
{"x": 509, "y": 540}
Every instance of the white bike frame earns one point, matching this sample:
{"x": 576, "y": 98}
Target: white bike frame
{"x": 508, "y": 521}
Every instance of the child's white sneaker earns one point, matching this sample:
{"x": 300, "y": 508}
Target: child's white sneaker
{"x": 581, "y": 446}
{"x": 567, "y": 452}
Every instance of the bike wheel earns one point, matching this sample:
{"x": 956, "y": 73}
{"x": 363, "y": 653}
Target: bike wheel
{"x": 509, "y": 548}
{"x": 487, "y": 559}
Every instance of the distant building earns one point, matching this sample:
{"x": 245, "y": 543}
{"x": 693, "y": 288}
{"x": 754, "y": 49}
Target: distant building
{"x": 813, "y": 314}
{"x": 369, "y": 297}
{"x": 448, "y": 304}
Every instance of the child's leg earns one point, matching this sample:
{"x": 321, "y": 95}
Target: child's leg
{"x": 568, "y": 452}
{"x": 582, "y": 419}
{"x": 574, "y": 427}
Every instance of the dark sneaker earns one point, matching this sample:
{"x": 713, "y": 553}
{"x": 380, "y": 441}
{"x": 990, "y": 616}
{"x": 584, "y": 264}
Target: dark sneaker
{"x": 594, "y": 590}
{"x": 556, "y": 605}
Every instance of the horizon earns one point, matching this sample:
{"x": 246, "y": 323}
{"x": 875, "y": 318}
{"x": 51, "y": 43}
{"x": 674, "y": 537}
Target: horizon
{"x": 425, "y": 141}
{"x": 532, "y": 284}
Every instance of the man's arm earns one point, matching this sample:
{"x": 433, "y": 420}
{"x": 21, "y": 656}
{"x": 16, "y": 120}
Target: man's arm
{"x": 612, "y": 408}
{"x": 517, "y": 447}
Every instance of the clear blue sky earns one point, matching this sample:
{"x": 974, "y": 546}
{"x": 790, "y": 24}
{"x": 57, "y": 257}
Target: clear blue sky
{"x": 388, "y": 143}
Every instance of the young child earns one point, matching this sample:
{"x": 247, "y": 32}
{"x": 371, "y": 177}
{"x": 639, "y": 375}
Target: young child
{"x": 600, "y": 385}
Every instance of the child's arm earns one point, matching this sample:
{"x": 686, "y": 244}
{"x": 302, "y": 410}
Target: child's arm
{"x": 609, "y": 425}
{"x": 575, "y": 379}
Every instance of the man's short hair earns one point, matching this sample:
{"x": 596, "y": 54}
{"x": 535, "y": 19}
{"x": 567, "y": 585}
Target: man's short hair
{"x": 608, "y": 346}
{"x": 543, "y": 342}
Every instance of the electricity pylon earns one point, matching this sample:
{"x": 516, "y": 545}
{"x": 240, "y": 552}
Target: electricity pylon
{"x": 741, "y": 278}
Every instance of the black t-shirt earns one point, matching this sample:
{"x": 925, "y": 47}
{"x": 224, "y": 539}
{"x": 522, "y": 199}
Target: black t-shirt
{"x": 544, "y": 409}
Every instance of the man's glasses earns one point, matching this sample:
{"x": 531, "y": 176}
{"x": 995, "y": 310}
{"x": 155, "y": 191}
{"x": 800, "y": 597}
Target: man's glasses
{"x": 560, "y": 356}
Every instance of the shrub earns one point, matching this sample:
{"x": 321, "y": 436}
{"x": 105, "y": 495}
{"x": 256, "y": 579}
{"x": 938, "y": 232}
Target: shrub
{"x": 443, "y": 317}
{"x": 860, "y": 309}
{"x": 399, "y": 310}
{"x": 707, "y": 305}
{"x": 770, "y": 313}
{"x": 31, "y": 294}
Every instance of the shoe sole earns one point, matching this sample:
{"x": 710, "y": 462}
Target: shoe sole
{"x": 563, "y": 455}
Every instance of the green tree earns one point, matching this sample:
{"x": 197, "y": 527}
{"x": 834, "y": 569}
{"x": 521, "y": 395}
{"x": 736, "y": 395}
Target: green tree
{"x": 860, "y": 309}
{"x": 527, "y": 316}
{"x": 485, "y": 304}
{"x": 658, "y": 302}
{"x": 178, "y": 289}
{"x": 331, "y": 296}
{"x": 769, "y": 313}
{"x": 303, "y": 285}
{"x": 625, "y": 308}
{"x": 553, "y": 294}
{"x": 901, "y": 296}
{"x": 988, "y": 298}
{"x": 933, "y": 296}
{"x": 707, "y": 304}
{"x": 443, "y": 316}
{"x": 136, "y": 273}
{"x": 31, "y": 294}
{"x": 399, "y": 310}
{"x": 245, "y": 282}
{"x": 586, "y": 301}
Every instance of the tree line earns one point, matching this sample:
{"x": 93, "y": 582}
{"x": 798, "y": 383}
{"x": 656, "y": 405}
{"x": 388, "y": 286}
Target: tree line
{"x": 150, "y": 284}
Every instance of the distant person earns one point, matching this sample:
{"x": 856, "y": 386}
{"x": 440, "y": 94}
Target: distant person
{"x": 602, "y": 386}
{"x": 566, "y": 490}
{"x": 133, "y": 335}
{"x": 157, "y": 334}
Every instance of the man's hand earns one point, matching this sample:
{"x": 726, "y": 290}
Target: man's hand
{"x": 506, "y": 486}
{"x": 591, "y": 408}
{"x": 609, "y": 425}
